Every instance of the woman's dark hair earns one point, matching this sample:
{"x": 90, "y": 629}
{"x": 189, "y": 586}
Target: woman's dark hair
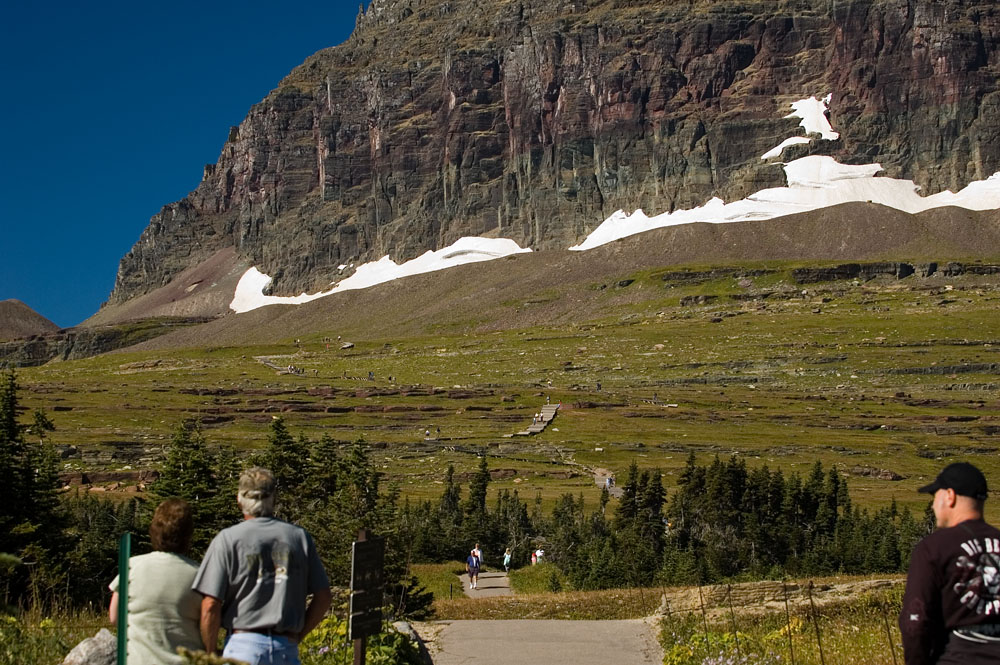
{"x": 172, "y": 526}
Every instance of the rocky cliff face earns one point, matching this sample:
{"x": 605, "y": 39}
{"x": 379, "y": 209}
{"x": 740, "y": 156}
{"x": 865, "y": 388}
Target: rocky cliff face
{"x": 536, "y": 119}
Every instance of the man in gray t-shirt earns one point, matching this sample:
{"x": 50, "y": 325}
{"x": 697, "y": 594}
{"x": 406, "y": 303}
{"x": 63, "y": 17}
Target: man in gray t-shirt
{"x": 255, "y": 578}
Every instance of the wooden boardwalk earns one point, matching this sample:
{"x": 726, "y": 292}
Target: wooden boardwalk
{"x": 546, "y": 416}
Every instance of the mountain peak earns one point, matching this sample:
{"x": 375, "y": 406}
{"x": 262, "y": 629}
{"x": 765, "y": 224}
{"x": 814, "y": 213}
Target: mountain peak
{"x": 535, "y": 121}
{"x": 17, "y": 320}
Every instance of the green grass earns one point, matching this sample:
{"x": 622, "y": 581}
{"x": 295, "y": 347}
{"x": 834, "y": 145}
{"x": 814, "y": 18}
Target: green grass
{"x": 29, "y": 638}
{"x": 441, "y": 579}
{"x": 860, "y": 631}
{"x": 576, "y": 605}
{"x": 860, "y": 383}
{"x": 540, "y": 578}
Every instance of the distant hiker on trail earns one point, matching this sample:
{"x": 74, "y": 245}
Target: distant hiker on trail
{"x": 472, "y": 565}
{"x": 255, "y": 579}
{"x": 534, "y": 557}
{"x": 479, "y": 553}
{"x": 951, "y": 606}
{"x": 506, "y": 561}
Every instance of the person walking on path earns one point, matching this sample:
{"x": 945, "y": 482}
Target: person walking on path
{"x": 506, "y": 561}
{"x": 255, "y": 579}
{"x": 479, "y": 553}
{"x": 951, "y": 606}
{"x": 472, "y": 567}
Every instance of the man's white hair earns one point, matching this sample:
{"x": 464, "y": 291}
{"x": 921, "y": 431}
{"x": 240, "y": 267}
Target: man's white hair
{"x": 256, "y": 493}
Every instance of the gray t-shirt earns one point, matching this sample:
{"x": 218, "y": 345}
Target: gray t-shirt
{"x": 262, "y": 570}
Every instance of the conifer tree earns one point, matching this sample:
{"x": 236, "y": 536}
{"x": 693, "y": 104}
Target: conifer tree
{"x": 628, "y": 505}
{"x": 13, "y": 461}
{"x": 31, "y": 517}
{"x": 189, "y": 473}
{"x": 476, "y": 503}
{"x": 651, "y": 508}
{"x": 288, "y": 459}
{"x": 451, "y": 498}
{"x": 513, "y": 524}
{"x": 322, "y": 476}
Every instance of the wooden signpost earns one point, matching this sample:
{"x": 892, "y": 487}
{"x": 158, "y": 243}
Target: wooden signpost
{"x": 367, "y": 587}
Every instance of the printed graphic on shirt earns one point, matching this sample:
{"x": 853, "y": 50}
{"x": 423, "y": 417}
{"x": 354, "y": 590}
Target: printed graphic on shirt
{"x": 980, "y": 590}
{"x": 271, "y": 564}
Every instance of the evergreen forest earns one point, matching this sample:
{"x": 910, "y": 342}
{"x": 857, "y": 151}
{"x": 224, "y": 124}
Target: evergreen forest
{"x": 725, "y": 521}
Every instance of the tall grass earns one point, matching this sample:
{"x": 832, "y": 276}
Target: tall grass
{"x": 33, "y": 638}
{"x": 441, "y": 579}
{"x": 857, "y": 632}
{"x": 541, "y": 578}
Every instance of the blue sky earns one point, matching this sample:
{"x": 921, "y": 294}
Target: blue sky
{"x": 110, "y": 110}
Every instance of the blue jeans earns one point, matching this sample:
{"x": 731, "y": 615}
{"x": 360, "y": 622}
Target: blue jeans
{"x": 258, "y": 649}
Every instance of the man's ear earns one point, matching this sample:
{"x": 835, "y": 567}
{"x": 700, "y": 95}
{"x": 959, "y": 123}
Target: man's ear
{"x": 950, "y": 497}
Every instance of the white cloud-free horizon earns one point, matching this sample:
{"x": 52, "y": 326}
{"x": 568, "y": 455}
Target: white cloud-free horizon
{"x": 813, "y": 182}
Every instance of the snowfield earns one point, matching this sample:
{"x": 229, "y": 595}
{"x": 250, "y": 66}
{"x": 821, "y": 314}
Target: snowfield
{"x": 249, "y": 291}
{"x": 813, "y": 182}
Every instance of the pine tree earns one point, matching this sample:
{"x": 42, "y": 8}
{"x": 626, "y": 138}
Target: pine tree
{"x": 628, "y": 505}
{"x": 288, "y": 459}
{"x": 13, "y": 508}
{"x": 909, "y": 535}
{"x": 476, "y": 503}
{"x": 189, "y": 473}
{"x": 31, "y": 517}
{"x": 322, "y": 477}
{"x": 651, "y": 509}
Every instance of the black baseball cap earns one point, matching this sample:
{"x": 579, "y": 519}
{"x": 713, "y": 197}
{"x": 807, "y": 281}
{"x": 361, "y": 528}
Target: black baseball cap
{"x": 962, "y": 477}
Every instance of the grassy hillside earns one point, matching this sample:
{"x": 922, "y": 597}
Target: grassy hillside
{"x": 885, "y": 375}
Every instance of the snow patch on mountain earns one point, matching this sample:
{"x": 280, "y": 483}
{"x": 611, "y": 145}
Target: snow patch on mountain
{"x": 249, "y": 292}
{"x": 813, "y": 182}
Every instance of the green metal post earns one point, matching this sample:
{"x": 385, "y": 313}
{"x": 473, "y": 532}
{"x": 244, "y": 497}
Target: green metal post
{"x": 124, "y": 552}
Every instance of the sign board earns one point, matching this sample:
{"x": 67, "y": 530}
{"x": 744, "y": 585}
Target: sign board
{"x": 367, "y": 585}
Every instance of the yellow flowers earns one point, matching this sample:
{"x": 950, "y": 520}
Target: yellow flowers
{"x": 793, "y": 627}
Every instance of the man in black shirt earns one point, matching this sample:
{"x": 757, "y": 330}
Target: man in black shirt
{"x": 951, "y": 607}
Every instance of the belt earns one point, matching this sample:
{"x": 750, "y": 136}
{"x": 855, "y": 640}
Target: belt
{"x": 270, "y": 633}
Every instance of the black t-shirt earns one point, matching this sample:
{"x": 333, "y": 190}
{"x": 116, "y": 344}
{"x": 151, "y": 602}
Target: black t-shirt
{"x": 953, "y": 582}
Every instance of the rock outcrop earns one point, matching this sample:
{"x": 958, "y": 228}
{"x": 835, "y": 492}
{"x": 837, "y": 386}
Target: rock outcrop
{"x": 536, "y": 119}
{"x": 72, "y": 343}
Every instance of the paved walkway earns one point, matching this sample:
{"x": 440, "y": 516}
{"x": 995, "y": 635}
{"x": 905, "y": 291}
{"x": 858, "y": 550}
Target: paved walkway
{"x": 601, "y": 478}
{"x": 550, "y": 642}
{"x": 489, "y": 584}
